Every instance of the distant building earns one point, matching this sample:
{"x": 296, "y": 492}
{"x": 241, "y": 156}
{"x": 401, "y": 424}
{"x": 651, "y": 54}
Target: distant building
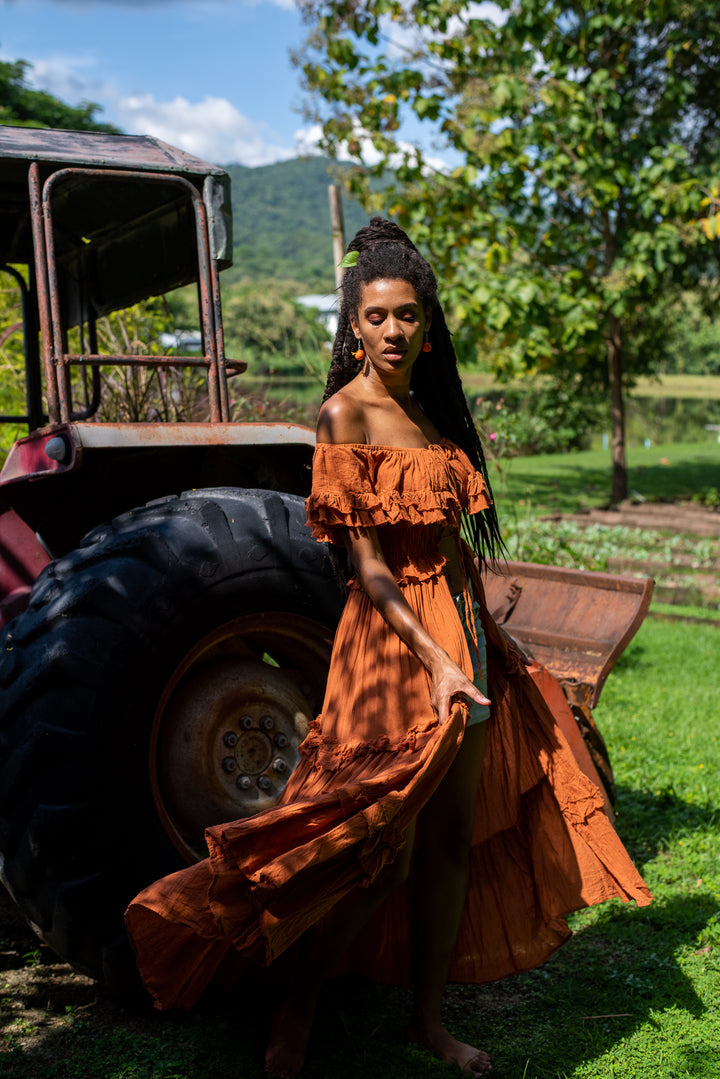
{"x": 184, "y": 340}
{"x": 327, "y": 309}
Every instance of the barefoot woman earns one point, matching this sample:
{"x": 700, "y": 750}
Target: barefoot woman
{"x": 444, "y": 843}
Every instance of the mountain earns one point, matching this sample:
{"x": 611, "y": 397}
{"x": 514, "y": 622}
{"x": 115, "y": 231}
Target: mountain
{"x": 281, "y": 222}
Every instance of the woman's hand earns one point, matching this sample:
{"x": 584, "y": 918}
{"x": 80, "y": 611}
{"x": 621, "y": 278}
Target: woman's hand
{"x": 447, "y": 679}
{"x": 449, "y": 682}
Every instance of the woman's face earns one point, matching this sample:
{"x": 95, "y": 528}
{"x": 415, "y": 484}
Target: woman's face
{"x": 391, "y": 323}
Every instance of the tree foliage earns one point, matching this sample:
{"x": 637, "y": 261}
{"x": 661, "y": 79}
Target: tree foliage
{"x": 12, "y": 360}
{"x": 693, "y": 340}
{"x": 263, "y": 325}
{"x": 23, "y": 106}
{"x": 583, "y": 136}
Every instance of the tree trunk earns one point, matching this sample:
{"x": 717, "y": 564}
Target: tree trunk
{"x": 617, "y": 413}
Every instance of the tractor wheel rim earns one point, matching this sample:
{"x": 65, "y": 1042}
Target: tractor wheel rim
{"x": 227, "y": 730}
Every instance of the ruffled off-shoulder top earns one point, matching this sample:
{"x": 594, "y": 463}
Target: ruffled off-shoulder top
{"x": 357, "y": 485}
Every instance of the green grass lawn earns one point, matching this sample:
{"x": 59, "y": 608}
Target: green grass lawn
{"x": 530, "y": 490}
{"x": 566, "y": 482}
{"x": 702, "y": 387}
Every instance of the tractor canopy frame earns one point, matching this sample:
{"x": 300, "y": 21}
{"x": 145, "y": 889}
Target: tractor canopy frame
{"x": 102, "y": 222}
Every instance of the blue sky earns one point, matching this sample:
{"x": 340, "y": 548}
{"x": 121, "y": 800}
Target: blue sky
{"x": 211, "y": 76}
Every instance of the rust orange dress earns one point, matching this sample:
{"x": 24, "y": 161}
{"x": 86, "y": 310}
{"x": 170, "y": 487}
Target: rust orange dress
{"x": 542, "y": 843}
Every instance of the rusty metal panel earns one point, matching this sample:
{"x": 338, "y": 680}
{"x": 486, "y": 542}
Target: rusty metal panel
{"x": 117, "y": 435}
{"x": 574, "y": 622}
{"x": 100, "y": 149}
{"x": 56, "y": 149}
{"x": 28, "y": 457}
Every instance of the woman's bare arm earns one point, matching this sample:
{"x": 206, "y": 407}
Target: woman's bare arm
{"x": 377, "y": 580}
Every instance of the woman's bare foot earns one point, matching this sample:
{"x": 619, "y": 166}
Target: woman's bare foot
{"x": 440, "y": 1042}
{"x": 289, "y": 1037}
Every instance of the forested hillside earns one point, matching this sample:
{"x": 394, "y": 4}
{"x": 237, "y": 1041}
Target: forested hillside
{"x": 281, "y": 222}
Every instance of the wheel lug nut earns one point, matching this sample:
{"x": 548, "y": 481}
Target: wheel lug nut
{"x": 264, "y": 783}
{"x": 246, "y": 722}
{"x": 266, "y": 722}
{"x": 243, "y": 782}
{"x": 281, "y": 740}
{"x": 279, "y": 765}
{"x": 229, "y": 764}
{"x": 230, "y": 739}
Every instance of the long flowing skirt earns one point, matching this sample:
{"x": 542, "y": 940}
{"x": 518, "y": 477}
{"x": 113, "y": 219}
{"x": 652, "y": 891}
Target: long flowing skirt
{"x": 542, "y": 843}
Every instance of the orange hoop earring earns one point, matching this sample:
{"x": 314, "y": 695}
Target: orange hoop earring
{"x": 360, "y": 354}
{"x": 427, "y": 347}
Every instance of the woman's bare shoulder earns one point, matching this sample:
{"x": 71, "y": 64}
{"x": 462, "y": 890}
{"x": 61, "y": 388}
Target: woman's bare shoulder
{"x": 341, "y": 419}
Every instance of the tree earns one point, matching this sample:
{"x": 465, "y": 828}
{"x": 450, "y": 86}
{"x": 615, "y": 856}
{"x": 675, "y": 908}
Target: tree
{"x": 583, "y": 136}
{"x": 264, "y": 325}
{"x": 22, "y": 106}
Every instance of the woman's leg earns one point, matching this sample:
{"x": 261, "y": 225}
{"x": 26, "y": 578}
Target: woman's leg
{"x": 444, "y": 831}
{"x": 321, "y": 949}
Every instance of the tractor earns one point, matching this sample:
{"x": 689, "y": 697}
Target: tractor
{"x": 167, "y": 617}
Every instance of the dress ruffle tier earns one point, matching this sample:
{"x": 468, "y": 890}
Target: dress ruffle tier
{"x": 542, "y": 843}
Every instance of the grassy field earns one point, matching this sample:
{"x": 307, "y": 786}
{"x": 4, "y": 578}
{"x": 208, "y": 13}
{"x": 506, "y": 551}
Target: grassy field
{"x": 702, "y": 387}
{"x": 634, "y": 995}
{"x": 564, "y": 483}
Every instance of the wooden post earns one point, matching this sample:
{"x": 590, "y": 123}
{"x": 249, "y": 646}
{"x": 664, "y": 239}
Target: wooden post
{"x": 338, "y": 232}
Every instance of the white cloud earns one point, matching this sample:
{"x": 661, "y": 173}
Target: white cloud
{"x": 288, "y": 5}
{"x": 70, "y": 77}
{"x": 217, "y": 4}
{"x": 212, "y": 129}
{"x": 307, "y": 142}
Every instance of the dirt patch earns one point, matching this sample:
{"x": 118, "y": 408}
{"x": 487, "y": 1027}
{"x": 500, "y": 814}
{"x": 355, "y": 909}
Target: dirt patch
{"x": 678, "y": 545}
{"x": 38, "y": 993}
{"x": 667, "y": 516}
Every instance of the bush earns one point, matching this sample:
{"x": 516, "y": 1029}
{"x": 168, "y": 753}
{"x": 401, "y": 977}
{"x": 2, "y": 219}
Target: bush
{"x": 544, "y": 418}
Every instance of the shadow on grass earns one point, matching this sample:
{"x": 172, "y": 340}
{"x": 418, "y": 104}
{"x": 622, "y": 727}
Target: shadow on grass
{"x": 676, "y": 479}
{"x": 565, "y": 482}
{"x": 554, "y": 488}
{"x": 649, "y": 820}
{"x": 616, "y": 975}
{"x": 612, "y": 977}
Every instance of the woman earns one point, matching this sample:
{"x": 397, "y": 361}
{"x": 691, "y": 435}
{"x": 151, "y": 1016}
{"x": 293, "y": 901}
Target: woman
{"x": 449, "y": 856}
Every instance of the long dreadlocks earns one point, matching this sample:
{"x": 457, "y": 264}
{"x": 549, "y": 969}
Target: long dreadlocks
{"x": 386, "y": 252}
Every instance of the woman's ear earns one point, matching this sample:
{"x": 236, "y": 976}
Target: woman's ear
{"x": 428, "y": 318}
{"x": 355, "y": 328}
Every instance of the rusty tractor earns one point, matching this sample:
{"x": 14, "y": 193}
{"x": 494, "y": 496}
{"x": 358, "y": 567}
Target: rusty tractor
{"x": 168, "y": 619}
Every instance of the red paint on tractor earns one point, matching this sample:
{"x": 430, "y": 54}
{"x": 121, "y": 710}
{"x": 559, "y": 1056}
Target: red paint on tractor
{"x": 22, "y": 557}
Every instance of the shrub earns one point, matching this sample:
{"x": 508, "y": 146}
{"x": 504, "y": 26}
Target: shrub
{"x": 549, "y": 417}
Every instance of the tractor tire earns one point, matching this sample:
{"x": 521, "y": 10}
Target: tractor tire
{"x": 159, "y": 682}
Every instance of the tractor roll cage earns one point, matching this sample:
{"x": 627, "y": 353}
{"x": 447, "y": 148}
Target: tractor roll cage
{"x": 84, "y": 228}
{"x": 57, "y": 362}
